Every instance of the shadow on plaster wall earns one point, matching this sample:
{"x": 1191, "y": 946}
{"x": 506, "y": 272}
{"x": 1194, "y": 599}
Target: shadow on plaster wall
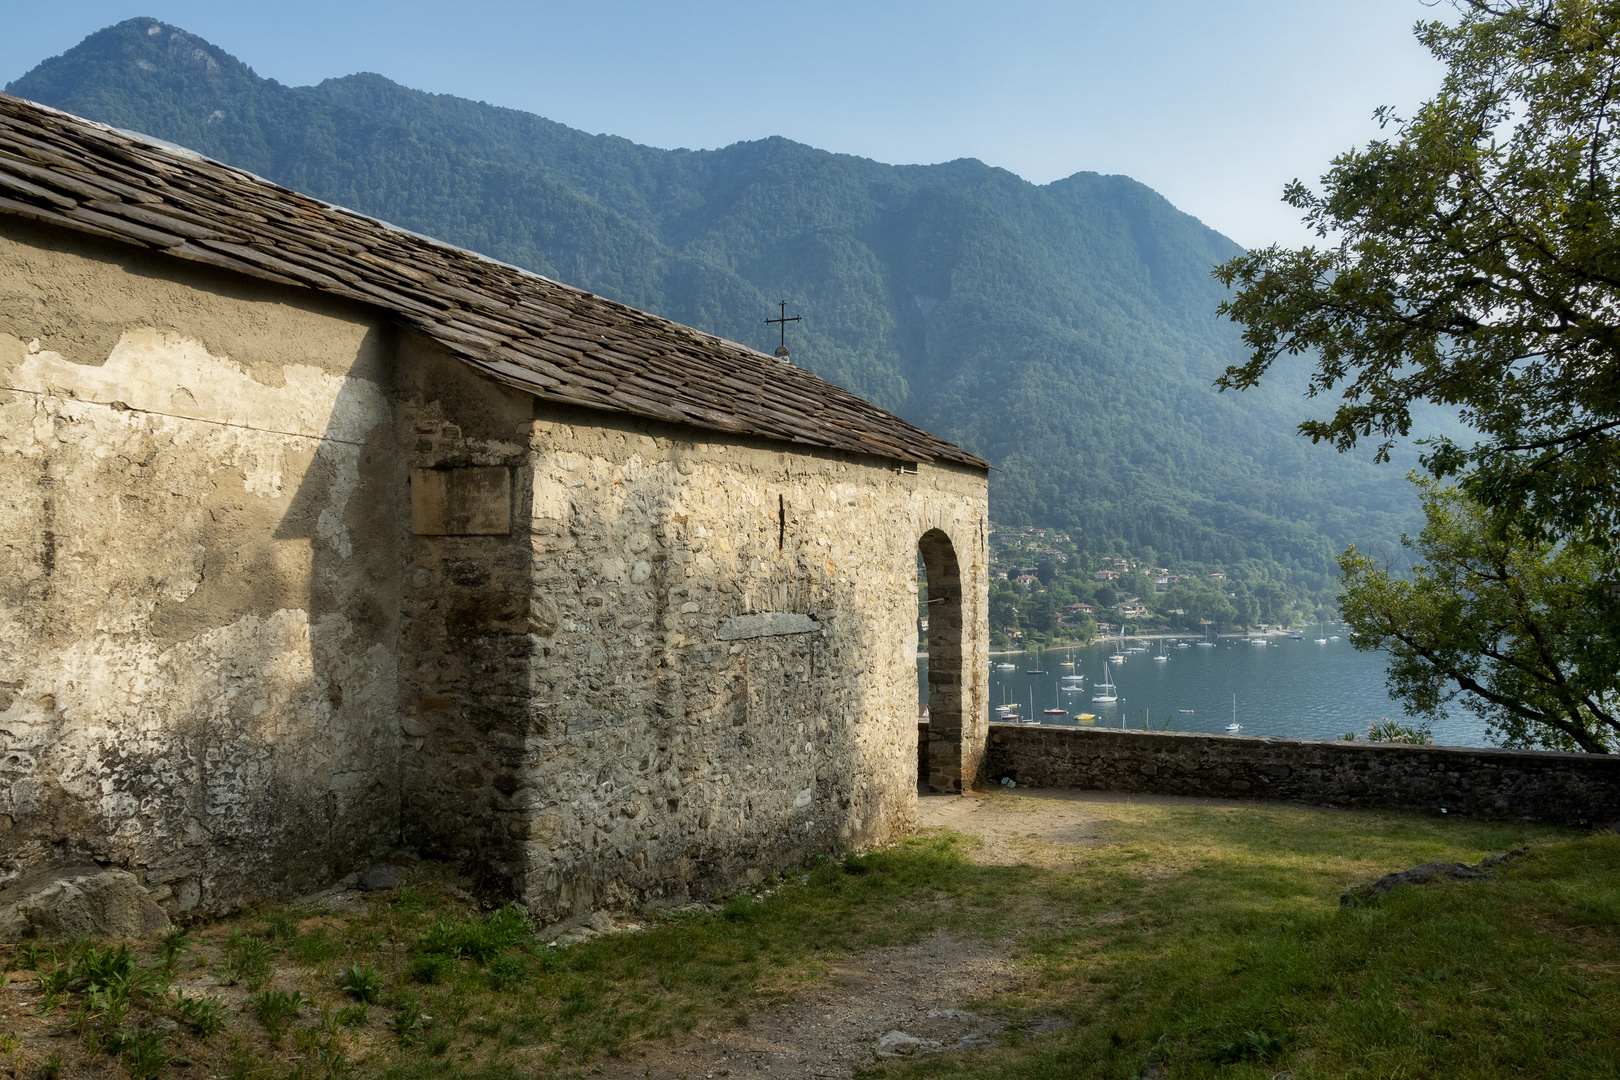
{"x": 336, "y": 748}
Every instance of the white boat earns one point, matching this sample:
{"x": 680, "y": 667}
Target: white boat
{"x": 1163, "y": 656}
{"x": 1206, "y": 643}
{"x": 1004, "y": 666}
{"x": 1105, "y": 691}
{"x": 1234, "y": 727}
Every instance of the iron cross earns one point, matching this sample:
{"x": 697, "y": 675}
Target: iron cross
{"x": 783, "y": 319}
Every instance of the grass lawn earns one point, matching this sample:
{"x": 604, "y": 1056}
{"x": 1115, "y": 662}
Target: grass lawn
{"x": 1208, "y": 936}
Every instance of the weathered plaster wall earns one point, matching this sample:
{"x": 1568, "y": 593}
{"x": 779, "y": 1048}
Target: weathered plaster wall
{"x": 198, "y": 575}
{"x": 1574, "y": 789}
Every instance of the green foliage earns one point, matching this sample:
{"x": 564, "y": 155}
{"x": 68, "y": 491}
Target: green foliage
{"x": 431, "y": 967}
{"x": 1522, "y": 629}
{"x": 247, "y": 960}
{"x": 507, "y": 970}
{"x": 175, "y": 943}
{"x": 1469, "y": 262}
{"x": 480, "y": 939}
{"x": 353, "y": 1016}
{"x": 203, "y": 1015}
{"x": 1066, "y": 332}
{"x": 1248, "y": 1046}
{"x": 276, "y": 1009}
{"x": 315, "y": 947}
{"x": 146, "y": 1054}
{"x": 739, "y": 909}
{"x": 406, "y": 1023}
{"x": 361, "y": 982}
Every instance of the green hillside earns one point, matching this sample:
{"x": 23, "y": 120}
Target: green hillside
{"x": 1065, "y": 332}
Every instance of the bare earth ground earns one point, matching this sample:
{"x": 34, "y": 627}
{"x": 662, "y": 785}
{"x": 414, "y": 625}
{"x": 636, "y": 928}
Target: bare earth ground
{"x": 902, "y": 1001}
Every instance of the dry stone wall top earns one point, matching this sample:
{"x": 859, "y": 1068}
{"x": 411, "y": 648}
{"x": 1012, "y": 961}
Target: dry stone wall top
{"x": 1574, "y": 789}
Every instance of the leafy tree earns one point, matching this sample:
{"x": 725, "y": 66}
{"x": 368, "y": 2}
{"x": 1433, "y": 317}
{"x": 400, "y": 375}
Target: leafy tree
{"x": 1046, "y": 569}
{"x": 1040, "y": 613}
{"x": 1003, "y": 604}
{"x": 1472, "y": 260}
{"x": 1521, "y": 628}
{"x": 1106, "y": 596}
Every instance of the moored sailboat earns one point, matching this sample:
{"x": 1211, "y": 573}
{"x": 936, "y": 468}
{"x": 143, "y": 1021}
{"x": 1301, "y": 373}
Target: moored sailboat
{"x": 1106, "y": 690}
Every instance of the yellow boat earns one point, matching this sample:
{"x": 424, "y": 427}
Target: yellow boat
{"x": 1084, "y": 717}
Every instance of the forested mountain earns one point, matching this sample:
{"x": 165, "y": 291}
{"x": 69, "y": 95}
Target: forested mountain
{"x": 1065, "y": 332}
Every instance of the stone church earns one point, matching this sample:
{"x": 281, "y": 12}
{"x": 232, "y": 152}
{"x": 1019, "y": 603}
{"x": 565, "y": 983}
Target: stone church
{"x": 321, "y": 539}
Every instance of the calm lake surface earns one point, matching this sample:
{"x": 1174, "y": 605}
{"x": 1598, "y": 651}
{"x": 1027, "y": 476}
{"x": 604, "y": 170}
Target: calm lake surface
{"x": 1295, "y": 689}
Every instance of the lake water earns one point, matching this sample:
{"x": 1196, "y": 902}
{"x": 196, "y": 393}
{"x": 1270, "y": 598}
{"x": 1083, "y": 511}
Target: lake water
{"x": 1295, "y": 689}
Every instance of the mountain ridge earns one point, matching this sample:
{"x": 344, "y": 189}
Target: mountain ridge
{"x": 1066, "y": 331}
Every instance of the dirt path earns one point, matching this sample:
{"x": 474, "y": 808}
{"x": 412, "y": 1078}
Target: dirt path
{"x": 900, "y": 1001}
{"x": 837, "y": 1028}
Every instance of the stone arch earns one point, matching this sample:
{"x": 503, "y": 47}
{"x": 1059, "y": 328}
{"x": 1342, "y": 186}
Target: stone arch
{"x": 940, "y": 769}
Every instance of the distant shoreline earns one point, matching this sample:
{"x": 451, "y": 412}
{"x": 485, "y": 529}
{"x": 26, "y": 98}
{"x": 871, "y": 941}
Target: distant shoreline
{"x": 1230, "y": 636}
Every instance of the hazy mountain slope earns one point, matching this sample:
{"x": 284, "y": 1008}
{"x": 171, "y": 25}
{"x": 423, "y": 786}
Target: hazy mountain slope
{"x": 1066, "y": 331}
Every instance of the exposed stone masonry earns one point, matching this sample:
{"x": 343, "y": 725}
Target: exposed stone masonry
{"x": 1574, "y": 789}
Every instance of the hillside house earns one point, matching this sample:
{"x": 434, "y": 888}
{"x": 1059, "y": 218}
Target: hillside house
{"x": 322, "y": 538}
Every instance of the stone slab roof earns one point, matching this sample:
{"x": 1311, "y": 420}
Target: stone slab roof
{"x": 554, "y": 341}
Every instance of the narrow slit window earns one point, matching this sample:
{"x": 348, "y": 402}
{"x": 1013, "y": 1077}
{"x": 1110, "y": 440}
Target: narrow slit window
{"x": 781, "y": 522}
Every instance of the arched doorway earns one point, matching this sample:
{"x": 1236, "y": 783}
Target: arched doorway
{"x": 939, "y": 762}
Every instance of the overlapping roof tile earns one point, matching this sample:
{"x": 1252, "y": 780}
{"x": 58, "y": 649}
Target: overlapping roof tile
{"x": 554, "y": 341}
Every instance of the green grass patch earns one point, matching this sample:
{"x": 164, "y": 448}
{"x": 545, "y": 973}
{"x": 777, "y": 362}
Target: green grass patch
{"x": 1209, "y": 937}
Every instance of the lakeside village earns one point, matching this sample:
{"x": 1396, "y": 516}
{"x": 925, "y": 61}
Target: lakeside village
{"x": 1046, "y": 589}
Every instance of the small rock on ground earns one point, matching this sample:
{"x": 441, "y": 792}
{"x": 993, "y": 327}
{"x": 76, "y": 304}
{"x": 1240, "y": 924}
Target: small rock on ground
{"x": 1418, "y": 875}
{"x": 381, "y": 878}
{"x": 64, "y": 902}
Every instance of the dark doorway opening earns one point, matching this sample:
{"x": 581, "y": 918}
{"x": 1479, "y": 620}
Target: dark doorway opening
{"x": 939, "y": 742}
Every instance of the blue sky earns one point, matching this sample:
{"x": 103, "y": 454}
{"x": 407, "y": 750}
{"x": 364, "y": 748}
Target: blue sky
{"x": 1216, "y": 104}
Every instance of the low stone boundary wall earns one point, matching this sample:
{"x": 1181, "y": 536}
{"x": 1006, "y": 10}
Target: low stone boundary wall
{"x": 1572, "y": 789}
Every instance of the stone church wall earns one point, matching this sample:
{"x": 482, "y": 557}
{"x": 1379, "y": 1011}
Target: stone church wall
{"x": 283, "y": 588}
{"x": 198, "y": 580}
{"x": 702, "y": 670}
